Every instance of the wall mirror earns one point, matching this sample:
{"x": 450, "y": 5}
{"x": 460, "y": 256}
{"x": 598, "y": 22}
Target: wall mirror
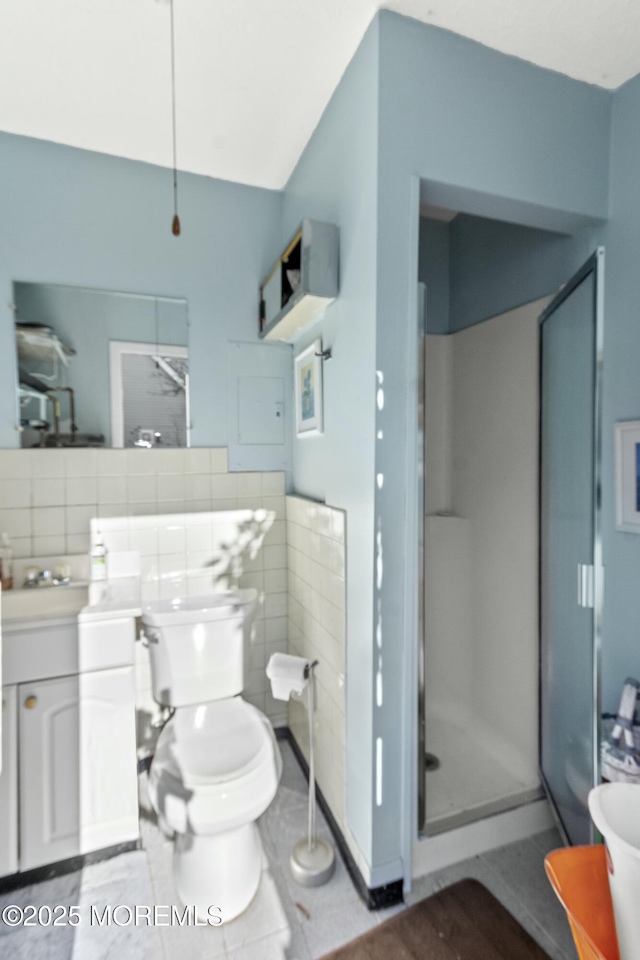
{"x": 96, "y": 368}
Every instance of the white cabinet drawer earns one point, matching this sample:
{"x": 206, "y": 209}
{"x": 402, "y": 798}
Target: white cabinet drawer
{"x": 38, "y": 650}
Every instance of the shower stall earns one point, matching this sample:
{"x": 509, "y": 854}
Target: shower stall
{"x": 480, "y": 569}
{"x": 509, "y": 678}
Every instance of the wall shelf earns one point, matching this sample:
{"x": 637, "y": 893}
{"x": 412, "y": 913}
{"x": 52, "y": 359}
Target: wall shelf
{"x": 301, "y": 283}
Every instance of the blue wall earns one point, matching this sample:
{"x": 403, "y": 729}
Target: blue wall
{"x": 74, "y": 217}
{"x": 521, "y": 144}
{"x": 497, "y": 266}
{"x": 621, "y": 626}
{"x": 335, "y": 180}
{"x": 476, "y": 268}
{"x": 434, "y": 271}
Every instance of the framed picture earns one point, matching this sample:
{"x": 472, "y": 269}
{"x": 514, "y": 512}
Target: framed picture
{"x": 627, "y": 442}
{"x": 307, "y": 374}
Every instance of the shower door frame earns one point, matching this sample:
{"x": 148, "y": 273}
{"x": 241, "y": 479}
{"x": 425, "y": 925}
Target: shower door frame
{"x": 595, "y": 265}
{"x": 421, "y": 480}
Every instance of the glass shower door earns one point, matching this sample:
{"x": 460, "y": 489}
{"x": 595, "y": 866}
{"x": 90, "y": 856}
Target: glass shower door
{"x": 570, "y": 551}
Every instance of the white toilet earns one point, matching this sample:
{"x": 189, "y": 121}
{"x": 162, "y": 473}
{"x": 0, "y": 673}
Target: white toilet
{"x": 217, "y": 763}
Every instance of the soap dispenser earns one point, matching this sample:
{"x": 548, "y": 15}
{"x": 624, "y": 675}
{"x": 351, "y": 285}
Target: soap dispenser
{"x": 99, "y": 560}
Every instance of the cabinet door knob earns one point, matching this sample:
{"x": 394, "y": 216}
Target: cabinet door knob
{"x": 30, "y": 702}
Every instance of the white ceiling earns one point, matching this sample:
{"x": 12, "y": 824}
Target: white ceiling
{"x": 253, "y": 76}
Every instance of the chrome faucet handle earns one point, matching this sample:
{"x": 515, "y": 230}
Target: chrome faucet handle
{"x": 31, "y": 577}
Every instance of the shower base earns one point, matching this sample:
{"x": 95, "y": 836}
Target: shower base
{"x": 473, "y": 780}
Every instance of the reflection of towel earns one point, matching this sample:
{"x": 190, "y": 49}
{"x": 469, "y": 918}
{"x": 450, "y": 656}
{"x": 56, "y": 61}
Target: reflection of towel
{"x": 287, "y": 675}
{"x": 293, "y": 276}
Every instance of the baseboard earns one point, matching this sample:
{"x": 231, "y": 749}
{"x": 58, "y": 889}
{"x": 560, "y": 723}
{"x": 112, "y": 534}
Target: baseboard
{"x": 375, "y": 898}
{"x": 50, "y": 870}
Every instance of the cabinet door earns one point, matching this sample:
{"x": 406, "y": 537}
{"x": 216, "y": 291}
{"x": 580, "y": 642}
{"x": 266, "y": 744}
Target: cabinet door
{"x": 78, "y": 765}
{"x": 9, "y": 784}
{"x": 49, "y": 736}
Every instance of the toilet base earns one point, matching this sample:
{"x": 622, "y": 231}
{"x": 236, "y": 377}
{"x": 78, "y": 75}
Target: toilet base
{"x": 218, "y": 871}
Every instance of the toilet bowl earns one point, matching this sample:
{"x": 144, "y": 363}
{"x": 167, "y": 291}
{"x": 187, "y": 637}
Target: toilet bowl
{"x": 217, "y": 764}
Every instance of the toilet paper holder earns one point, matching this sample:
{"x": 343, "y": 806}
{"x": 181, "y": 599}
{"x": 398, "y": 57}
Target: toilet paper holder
{"x": 312, "y": 860}
{"x": 310, "y": 669}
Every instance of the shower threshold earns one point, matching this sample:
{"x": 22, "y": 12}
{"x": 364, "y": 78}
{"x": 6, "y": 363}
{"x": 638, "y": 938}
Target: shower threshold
{"x": 460, "y": 818}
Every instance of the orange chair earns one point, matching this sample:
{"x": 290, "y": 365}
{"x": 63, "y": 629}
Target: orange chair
{"x": 579, "y": 877}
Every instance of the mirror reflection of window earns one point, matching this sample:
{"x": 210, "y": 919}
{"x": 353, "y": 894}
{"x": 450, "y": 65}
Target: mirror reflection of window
{"x": 154, "y": 400}
{"x": 64, "y": 377}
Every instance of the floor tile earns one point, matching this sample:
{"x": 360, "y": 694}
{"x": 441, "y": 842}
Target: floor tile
{"x": 548, "y": 840}
{"x": 105, "y": 943}
{"x": 59, "y": 890}
{"x": 338, "y": 894}
{"x": 278, "y": 946}
{"x": 521, "y": 867}
{"x": 39, "y": 943}
{"x": 286, "y": 921}
{"x": 122, "y": 880}
{"x": 194, "y": 942}
{"x": 327, "y": 931}
{"x": 264, "y": 916}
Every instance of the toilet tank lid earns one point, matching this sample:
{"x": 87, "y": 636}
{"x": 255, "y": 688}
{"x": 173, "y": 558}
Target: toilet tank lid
{"x": 211, "y": 606}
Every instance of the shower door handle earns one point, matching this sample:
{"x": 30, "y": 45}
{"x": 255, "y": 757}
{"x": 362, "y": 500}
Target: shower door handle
{"x": 586, "y": 591}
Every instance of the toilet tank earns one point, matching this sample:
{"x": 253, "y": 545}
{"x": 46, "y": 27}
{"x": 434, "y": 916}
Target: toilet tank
{"x": 198, "y": 646}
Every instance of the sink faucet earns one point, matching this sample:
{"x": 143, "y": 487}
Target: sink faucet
{"x": 43, "y": 578}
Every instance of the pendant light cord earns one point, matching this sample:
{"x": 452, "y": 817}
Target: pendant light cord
{"x": 176, "y": 219}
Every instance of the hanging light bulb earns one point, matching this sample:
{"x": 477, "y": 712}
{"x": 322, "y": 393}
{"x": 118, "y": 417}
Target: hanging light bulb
{"x": 175, "y": 225}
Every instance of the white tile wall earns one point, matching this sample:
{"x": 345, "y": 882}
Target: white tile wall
{"x": 316, "y": 541}
{"x": 199, "y": 553}
{"x": 48, "y": 498}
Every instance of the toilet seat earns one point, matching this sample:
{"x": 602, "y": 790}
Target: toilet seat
{"x": 216, "y": 767}
{"x": 211, "y": 743}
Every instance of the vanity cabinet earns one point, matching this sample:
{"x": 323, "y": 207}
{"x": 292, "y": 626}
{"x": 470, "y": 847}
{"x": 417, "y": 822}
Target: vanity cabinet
{"x": 9, "y": 783}
{"x": 68, "y": 784}
{"x": 77, "y": 749}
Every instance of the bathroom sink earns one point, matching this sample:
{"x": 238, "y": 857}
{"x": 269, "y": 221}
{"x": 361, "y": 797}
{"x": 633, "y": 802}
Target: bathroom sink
{"x": 36, "y": 602}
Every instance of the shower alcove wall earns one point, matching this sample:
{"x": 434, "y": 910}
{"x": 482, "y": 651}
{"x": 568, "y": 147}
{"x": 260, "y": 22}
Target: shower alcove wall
{"x": 481, "y": 405}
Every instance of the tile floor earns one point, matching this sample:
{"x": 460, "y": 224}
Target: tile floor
{"x": 274, "y": 927}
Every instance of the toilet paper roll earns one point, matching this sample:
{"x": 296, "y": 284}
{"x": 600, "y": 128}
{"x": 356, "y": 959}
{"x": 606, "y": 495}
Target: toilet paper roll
{"x": 286, "y": 674}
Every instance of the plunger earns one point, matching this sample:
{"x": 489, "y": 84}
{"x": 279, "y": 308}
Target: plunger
{"x": 312, "y": 859}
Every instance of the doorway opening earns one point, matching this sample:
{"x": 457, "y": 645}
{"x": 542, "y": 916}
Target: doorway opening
{"x": 485, "y": 285}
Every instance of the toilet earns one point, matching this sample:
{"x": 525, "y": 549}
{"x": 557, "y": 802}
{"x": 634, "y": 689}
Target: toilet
{"x": 217, "y": 764}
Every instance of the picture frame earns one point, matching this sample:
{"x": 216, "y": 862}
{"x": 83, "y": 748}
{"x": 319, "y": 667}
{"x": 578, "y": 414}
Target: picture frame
{"x": 627, "y": 460}
{"x": 309, "y": 399}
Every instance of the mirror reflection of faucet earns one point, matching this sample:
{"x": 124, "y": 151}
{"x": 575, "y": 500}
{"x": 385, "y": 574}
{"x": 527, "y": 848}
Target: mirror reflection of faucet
{"x": 59, "y": 577}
